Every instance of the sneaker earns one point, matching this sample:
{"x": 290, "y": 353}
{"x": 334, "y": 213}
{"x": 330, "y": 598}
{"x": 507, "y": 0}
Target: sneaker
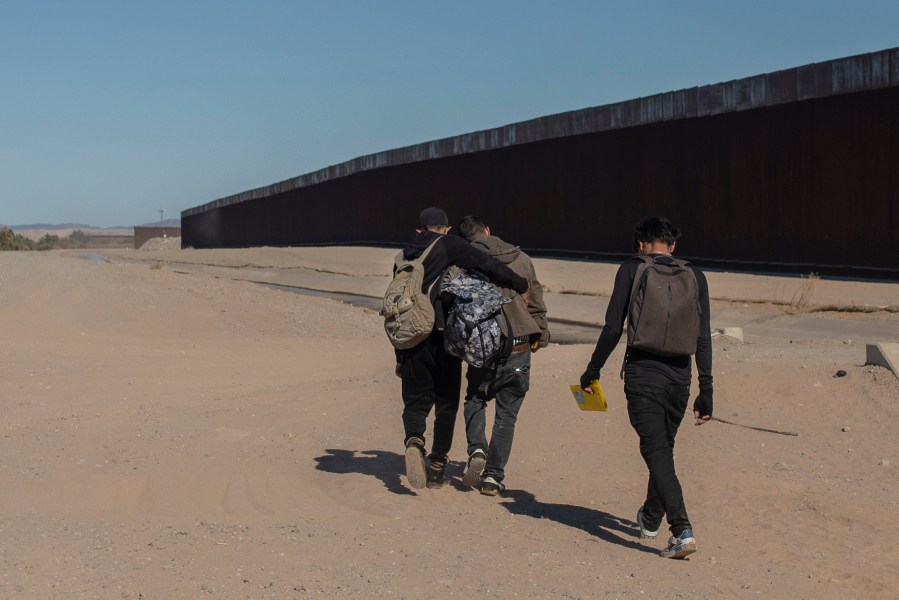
{"x": 472, "y": 474}
{"x": 415, "y": 463}
{"x": 492, "y": 487}
{"x": 645, "y": 534}
{"x": 680, "y": 546}
{"x": 435, "y": 475}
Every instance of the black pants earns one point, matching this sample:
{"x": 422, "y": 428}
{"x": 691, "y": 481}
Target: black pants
{"x": 431, "y": 379}
{"x": 656, "y": 410}
{"x": 507, "y": 383}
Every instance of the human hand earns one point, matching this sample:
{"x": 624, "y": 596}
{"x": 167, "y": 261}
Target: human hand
{"x": 702, "y": 406}
{"x": 398, "y": 370}
{"x": 589, "y": 376}
{"x": 526, "y": 296}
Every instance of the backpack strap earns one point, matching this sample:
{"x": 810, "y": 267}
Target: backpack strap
{"x": 421, "y": 257}
{"x": 646, "y": 261}
{"x": 685, "y": 264}
{"x": 506, "y": 349}
{"x": 428, "y": 249}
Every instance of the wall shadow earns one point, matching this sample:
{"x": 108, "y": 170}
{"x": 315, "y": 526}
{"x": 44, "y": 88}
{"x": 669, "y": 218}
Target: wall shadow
{"x": 595, "y": 522}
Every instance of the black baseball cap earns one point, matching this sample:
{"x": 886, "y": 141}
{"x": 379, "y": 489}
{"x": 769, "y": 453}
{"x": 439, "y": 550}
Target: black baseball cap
{"x": 433, "y": 216}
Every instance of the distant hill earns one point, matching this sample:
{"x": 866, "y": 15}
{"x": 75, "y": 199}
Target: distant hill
{"x": 61, "y": 226}
{"x": 84, "y": 227}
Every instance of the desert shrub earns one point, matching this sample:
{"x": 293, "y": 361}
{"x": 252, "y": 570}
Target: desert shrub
{"x": 803, "y": 298}
{"x": 48, "y": 242}
{"x": 10, "y": 240}
{"x": 78, "y": 239}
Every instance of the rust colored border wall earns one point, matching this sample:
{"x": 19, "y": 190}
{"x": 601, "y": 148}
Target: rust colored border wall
{"x": 799, "y": 185}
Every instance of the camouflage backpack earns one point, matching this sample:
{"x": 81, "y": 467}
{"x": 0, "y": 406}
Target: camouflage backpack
{"x": 474, "y": 326}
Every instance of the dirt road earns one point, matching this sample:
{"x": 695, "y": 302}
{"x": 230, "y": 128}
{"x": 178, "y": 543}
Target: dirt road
{"x": 177, "y": 433}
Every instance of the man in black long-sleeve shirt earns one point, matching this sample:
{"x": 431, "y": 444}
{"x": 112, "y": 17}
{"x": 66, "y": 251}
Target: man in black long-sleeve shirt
{"x": 658, "y": 388}
{"x": 432, "y": 377}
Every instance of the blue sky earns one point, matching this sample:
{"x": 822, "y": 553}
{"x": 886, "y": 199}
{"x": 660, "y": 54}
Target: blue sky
{"x": 111, "y": 111}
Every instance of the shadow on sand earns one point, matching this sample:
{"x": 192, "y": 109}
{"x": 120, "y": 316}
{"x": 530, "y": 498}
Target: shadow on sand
{"x": 386, "y": 466}
{"x": 595, "y": 522}
{"x": 389, "y": 467}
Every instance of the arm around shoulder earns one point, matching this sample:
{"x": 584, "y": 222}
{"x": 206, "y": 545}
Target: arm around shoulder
{"x": 463, "y": 254}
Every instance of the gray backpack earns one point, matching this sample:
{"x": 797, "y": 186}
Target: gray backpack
{"x": 407, "y": 309}
{"x": 474, "y": 325}
{"x": 664, "y": 312}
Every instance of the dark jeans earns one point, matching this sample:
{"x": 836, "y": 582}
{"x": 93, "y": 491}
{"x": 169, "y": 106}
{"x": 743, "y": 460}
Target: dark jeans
{"x": 656, "y": 410}
{"x": 431, "y": 379}
{"x": 508, "y": 383}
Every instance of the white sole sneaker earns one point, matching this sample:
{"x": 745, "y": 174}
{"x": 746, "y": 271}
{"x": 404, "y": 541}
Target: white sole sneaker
{"x": 679, "y": 547}
{"x": 472, "y": 475}
{"x": 415, "y": 467}
{"x": 492, "y": 487}
{"x": 645, "y": 534}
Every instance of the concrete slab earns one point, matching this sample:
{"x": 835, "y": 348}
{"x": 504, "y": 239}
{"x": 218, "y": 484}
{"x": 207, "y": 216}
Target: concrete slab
{"x": 731, "y": 332}
{"x": 577, "y": 292}
{"x": 884, "y": 354}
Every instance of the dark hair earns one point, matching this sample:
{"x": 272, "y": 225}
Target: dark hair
{"x": 650, "y": 229}
{"x": 470, "y": 227}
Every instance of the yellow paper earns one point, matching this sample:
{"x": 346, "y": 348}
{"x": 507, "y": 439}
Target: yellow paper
{"x": 594, "y": 401}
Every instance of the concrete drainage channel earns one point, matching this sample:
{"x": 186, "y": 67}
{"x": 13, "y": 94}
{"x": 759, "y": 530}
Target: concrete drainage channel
{"x": 563, "y": 331}
{"x": 566, "y": 331}
{"x": 367, "y": 302}
{"x": 92, "y": 257}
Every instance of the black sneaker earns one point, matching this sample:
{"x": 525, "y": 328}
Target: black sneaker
{"x": 415, "y": 463}
{"x": 492, "y": 487}
{"x": 472, "y": 474}
{"x": 435, "y": 475}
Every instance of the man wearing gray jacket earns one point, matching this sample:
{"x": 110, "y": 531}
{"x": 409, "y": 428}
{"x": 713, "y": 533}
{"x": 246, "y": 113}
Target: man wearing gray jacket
{"x": 508, "y": 380}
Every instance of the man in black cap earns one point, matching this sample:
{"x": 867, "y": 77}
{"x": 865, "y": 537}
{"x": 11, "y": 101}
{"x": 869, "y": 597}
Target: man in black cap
{"x": 431, "y": 377}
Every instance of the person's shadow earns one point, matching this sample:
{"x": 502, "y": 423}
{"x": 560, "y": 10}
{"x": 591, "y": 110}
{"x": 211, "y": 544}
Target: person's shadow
{"x": 595, "y": 522}
{"x": 386, "y": 466}
{"x": 389, "y": 467}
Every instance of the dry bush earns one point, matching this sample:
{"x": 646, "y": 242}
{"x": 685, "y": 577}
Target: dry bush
{"x": 802, "y": 299}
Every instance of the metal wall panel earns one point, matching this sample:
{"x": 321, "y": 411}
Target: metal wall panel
{"x": 755, "y": 176}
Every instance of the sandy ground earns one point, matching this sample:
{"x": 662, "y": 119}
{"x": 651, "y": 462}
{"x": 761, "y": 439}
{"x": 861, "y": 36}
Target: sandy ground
{"x": 171, "y": 431}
